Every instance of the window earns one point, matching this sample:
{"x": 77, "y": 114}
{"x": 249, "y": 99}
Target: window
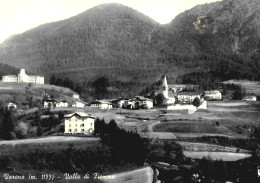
{"x": 75, "y": 131}
{"x": 82, "y": 125}
{"x": 82, "y": 130}
{"x": 69, "y": 125}
{"x": 69, "y": 130}
{"x": 91, "y": 124}
{"x": 75, "y": 125}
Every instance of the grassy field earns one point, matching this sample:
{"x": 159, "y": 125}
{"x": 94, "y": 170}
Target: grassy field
{"x": 19, "y": 91}
{"x": 191, "y": 127}
{"x": 250, "y": 86}
{"x": 224, "y": 156}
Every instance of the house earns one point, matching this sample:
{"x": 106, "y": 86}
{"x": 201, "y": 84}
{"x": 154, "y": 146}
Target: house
{"x": 79, "y": 104}
{"x": 49, "y": 103}
{"x": 212, "y": 95}
{"x": 187, "y": 97}
{"x": 119, "y": 102}
{"x": 75, "y": 96}
{"x": 250, "y": 97}
{"x": 140, "y": 102}
{"x": 11, "y": 105}
{"x": 79, "y": 123}
{"x": 101, "y": 104}
{"x": 62, "y": 103}
{"x": 23, "y": 78}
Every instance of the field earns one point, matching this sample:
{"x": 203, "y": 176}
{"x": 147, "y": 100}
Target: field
{"x": 224, "y": 156}
{"x": 19, "y": 92}
{"x": 250, "y": 86}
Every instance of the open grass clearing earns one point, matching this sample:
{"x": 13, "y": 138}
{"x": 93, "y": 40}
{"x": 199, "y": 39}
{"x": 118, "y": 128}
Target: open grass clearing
{"x": 51, "y": 139}
{"x": 192, "y": 146}
{"x": 191, "y": 127}
{"x": 224, "y": 156}
{"x": 159, "y": 135}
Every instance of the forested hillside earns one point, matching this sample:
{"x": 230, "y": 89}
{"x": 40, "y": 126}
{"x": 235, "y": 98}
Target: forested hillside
{"x": 7, "y": 70}
{"x": 204, "y": 45}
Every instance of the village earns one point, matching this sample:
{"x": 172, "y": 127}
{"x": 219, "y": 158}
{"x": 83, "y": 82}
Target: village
{"x": 173, "y": 113}
{"x": 174, "y": 98}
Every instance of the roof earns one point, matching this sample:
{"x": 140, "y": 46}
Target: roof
{"x": 81, "y": 114}
{"x": 189, "y": 93}
{"x": 170, "y": 94}
{"x": 101, "y": 102}
{"x": 141, "y": 98}
{"x": 182, "y": 85}
{"x": 11, "y": 76}
{"x": 212, "y": 91}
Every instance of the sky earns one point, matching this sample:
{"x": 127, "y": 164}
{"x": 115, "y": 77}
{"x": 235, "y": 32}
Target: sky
{"x": 17, "y": 16}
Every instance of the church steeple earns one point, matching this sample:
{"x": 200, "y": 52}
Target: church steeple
{"x": 165, "y": 85}
{"x": 165, "y": 88}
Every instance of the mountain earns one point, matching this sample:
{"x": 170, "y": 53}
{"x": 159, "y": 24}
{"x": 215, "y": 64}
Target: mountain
{"x": 223, "y": 35}
{"x": 204, "y": 45}
{"x": 104, "y": 39}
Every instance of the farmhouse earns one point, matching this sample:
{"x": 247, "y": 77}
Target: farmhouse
{"x": 11, "y": 105}
{"x": 23, "y": 78}
{"x": 49, "y": 103}
{"x": 250, "y": 97}
{"x": 75, "y": 96}
{"x": 79, "y": 123}
{"x": 212, "y": 95}
{"x": 139, "y": 102}
{"x": 62, "y": 103}
{"x": 119, "y": 102}
{"x": 187, "y": 97}
{"x": 79, "y": 104}
{"x": 101, "y": 104}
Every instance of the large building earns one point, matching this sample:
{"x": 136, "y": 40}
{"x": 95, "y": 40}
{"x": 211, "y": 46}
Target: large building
{"x": 79, "y": 123}
{"x": 23, "y": 78}
{"x": 212, "y": 95}
{"x": 101, "y": 104}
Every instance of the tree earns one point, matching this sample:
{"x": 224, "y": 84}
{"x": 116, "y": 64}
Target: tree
{"x": 8, "y": 124}
{"x": 196, "y": 102}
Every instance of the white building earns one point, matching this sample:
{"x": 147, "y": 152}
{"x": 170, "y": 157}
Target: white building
{"x": 79, "y": 104}
{"x": 62, "y": 103}
{"x": 9, "y": 78}
{"x": 23, "y": 78}
{"x": 79, "y": 123}
{"x": 168, "y": 95}
{"x": 142, "y": 101}
{"x": 187, "y": 97}
{"x": 11, "y": 105}
{"x": 75, "y": 96}
{"x": 250, "y": 98}
{"x": 212, "y": 95}
{"x": 101, "y": 104}
{"x": 49, "y": 103}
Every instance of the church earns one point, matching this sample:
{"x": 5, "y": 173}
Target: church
{"x": 168, "y": 95}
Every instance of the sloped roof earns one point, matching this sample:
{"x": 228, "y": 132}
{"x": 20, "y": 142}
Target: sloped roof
{"x": 11, "y": 76}
{"x": 170, "y": 94}
{"x": 81, "y": 114}
{"x": 189, "y": 93}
